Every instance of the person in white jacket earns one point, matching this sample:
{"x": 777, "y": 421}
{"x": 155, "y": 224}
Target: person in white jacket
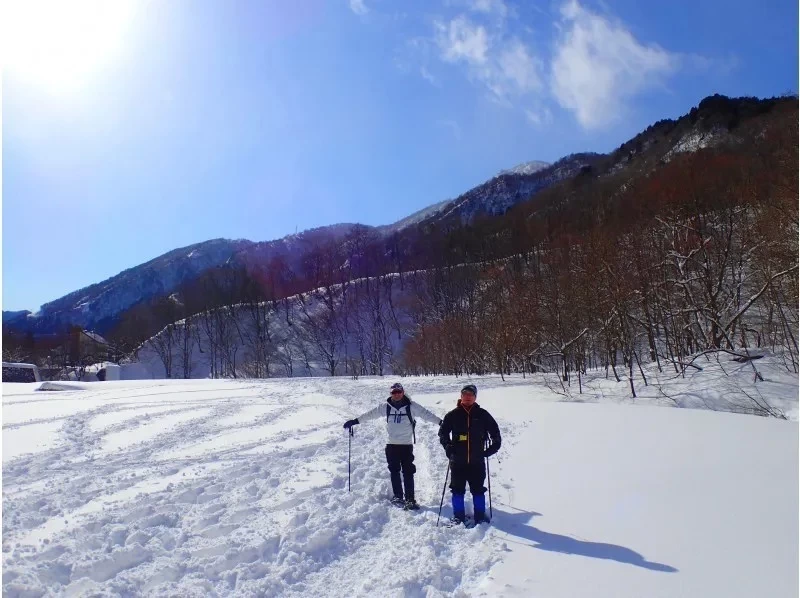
{"x": 400, "y": 413}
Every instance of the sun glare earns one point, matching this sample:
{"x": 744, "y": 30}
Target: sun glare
{"x": 60, "y": 44}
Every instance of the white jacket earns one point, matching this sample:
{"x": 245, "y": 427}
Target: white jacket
{"x": 399, "y": 425}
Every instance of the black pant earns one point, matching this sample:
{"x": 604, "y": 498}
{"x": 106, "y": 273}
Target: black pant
{"x": 472, "y": 473}
{"x": 401, "y": 456}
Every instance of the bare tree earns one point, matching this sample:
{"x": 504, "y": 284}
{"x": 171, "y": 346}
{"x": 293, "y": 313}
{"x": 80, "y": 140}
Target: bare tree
{"x": 163, "y": 344}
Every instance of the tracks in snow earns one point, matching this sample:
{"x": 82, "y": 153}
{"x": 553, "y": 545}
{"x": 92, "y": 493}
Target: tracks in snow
{"x": 242, "y": 492}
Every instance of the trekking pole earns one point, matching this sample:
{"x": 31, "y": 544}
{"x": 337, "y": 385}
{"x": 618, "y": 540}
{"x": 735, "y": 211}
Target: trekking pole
{"x": 489, "y": 479}
{"x": 441, "y": 503}
{"x": 349, "y": 443}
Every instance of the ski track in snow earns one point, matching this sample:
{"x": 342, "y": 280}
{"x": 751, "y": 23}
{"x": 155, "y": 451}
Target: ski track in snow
{"x": 163, "y": 493}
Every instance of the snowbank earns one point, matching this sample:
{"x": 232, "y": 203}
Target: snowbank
{"x": 135, "y": 371}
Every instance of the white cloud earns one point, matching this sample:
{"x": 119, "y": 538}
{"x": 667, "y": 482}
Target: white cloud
{"x": 426, "y": 74}
{"x": 598, "y": 66}
{"x": 505, "y": 67}
{"x": 496, "y": 7}
{"x": 358, "y": 7}
{"x": 533, "y": 117}
{"x": 539, "y": 117}
{"x": 698, "y": 64}
{"x": 594, "y": 68}
{"x": 518, "y": 67}
{"x": 461, "y": 39}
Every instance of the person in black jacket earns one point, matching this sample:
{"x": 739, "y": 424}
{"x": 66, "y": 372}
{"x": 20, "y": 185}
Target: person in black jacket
{"x": 464, "y": 434}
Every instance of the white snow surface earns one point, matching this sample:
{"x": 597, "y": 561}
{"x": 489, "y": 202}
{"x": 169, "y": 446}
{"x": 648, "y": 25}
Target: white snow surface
{"x": 240, "y": 488}
{"x": 416, "y": 217}
{"x": 526, "y": 168}
{"x": 694, "y": 141}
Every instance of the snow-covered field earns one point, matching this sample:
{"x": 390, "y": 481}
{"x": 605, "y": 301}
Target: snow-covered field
{"x": 220, "y": 488}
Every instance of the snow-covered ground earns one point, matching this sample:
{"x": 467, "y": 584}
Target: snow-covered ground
{"x": 220, "y": 488}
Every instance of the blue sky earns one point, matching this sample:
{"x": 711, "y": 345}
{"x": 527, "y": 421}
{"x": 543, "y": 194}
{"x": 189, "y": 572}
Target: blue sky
{"x": 251, "y": 119}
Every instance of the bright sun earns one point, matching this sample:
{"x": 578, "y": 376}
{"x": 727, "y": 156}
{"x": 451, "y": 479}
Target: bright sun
{"x": 59, "y": 44}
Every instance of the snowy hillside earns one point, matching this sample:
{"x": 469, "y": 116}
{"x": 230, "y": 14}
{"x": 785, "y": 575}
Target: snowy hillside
{"x": 509, "y": 188}
{"x": 100, "y": 303}
{"x": 415, "y": 218}
{"x": 298, "y": 336}
{"x": 218, "y": 488}
{"x": 292, "y": 248}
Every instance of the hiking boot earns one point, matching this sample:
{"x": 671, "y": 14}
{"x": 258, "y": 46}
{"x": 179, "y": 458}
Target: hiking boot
{"x": 398, "y": 501}
{"x": 411, "y": 505}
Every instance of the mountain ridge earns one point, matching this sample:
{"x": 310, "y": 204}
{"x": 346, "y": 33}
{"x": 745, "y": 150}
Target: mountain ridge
{"x": 713, "y": 121}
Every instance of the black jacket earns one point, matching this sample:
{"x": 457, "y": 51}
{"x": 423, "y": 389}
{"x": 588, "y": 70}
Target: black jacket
{"x": 470, "y": 431}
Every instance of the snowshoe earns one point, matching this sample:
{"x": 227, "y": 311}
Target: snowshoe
{"x": 398, "y": 501}
{"x": 454, "y": 522}
{"x": 471, "y": 522}
{"x": 411, "y": 505}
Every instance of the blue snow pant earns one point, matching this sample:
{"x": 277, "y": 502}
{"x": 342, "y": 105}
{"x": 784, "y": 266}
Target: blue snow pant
{"x": 473, "y": 474}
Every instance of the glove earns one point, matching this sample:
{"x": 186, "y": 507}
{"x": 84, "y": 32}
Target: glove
{"x": 350, "y": 423}
{"x": 448, "y": 450}
{"x": 489, "y": 451}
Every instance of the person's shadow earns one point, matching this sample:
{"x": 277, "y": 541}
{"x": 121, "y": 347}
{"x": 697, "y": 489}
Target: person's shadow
{"x": 518, "y": 524}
